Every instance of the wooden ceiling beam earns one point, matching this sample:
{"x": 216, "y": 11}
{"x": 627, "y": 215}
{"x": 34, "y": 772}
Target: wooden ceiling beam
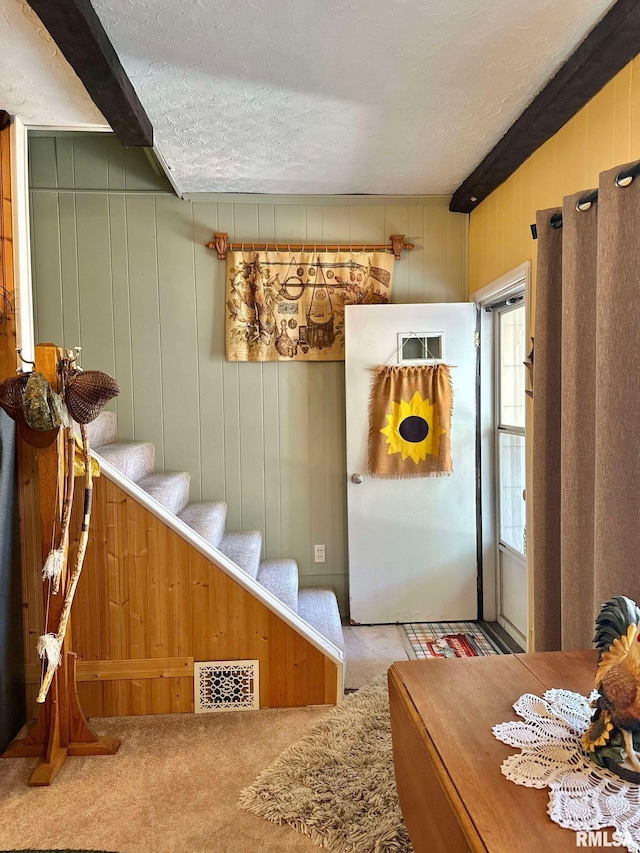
{"x": 78, "y": 32}
{"x": 610, "y": 45}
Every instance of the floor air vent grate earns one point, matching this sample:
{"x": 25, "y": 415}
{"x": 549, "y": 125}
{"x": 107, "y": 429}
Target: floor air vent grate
{"x": 226, "y": 686}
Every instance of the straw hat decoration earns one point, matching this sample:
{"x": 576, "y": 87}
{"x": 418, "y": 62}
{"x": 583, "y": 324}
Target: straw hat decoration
{"x": 12, "y": 396}
{"x": 29, "y": 399}
{"x": 33, "y": 404}
{"x": 87, "y": 392}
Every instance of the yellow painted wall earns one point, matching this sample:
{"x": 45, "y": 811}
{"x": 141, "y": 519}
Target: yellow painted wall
{"x": 604, "y": 133}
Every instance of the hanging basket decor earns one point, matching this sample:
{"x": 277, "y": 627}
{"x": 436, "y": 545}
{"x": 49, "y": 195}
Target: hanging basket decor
{"x": 12, "y": 396}
{"x": 29, "y": 399}
{"x": 87, "y": 392}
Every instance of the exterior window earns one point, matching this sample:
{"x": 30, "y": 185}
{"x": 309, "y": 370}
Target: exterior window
{"x": 511, "y": 420}
{"x": 512, "y": 483}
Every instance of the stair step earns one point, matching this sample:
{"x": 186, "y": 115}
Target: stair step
{"x": 281, "y": 578}
{"x": 171, "y": 489}
{"x": 243, "y": 547}
{"x": 134, "y": 459}
{"x": 102, "y": 430}
{"x": 207, "y": 518}
{"x": 319, "y": 607}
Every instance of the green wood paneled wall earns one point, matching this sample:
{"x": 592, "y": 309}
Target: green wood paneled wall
{"x": 120, "y": 268}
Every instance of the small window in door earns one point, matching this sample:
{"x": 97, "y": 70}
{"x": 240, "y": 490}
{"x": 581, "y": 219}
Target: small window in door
{"x": 425, "y": 348}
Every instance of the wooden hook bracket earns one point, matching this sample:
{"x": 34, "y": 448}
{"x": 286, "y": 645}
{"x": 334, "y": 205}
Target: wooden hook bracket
{"x": 221, "y": 244}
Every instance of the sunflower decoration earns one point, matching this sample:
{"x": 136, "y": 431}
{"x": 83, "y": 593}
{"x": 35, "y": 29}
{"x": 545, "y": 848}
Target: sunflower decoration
{"x": 413, "y": 429}
{"x": 411, "y": 407}
{"x": 598, "y": 733}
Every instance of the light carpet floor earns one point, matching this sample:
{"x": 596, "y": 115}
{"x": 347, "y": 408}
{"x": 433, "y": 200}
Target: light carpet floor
{"x": 337, "y": 784}
{"x": 371, "y": 649}
{"x": 173, "y": 787}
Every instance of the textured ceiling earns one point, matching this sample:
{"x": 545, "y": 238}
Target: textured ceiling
{"x": 337, "y": 96}
{"x": 36, "y": 82}
{"x": 310, "y": 96}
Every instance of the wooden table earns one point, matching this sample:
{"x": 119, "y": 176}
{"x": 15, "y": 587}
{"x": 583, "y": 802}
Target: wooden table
{"x": 447, "y": 762}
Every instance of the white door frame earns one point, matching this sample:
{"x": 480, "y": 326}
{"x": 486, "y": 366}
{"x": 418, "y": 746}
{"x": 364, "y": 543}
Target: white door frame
{"x": 21, "y": 226}
{"x": 25, "y": 331}
{"x": 25, "y": 319}
{"x": 516, "y": 280}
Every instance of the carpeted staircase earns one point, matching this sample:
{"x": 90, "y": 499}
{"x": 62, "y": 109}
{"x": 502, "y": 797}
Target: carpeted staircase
{"x": 136, "y": 460}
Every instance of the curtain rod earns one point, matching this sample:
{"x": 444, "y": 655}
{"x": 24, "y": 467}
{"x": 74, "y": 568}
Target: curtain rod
{"x": 623, "y": 179}
{"x": 221, "y": 244}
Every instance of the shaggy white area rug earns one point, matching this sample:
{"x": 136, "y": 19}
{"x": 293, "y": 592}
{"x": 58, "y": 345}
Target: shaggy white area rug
{"x": 336, "y": 785}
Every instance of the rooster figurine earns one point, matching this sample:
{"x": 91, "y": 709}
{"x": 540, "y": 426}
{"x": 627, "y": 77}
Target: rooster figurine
{"x": 618, "y": 684}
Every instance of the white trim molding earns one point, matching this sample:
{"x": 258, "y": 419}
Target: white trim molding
{"x": 25, "y": 333}
{"x": 517, "y": 279}
{"x": 260, "y": 198}
{"x": 167, "y": 171}
{"x": 495, "y": 289}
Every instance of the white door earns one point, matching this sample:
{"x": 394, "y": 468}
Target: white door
{"x": 412, "y": 542}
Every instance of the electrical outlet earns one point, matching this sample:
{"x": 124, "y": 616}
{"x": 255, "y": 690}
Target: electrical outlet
{"x": 318, "y": 553}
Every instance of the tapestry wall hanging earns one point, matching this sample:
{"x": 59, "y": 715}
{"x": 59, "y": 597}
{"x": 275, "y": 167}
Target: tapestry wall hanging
{"x": 410, "y": 421}
{"x": 284, "y": 306}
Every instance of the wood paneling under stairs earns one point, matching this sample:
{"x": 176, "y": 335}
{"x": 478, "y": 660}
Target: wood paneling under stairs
{"x": 148, "y": 604}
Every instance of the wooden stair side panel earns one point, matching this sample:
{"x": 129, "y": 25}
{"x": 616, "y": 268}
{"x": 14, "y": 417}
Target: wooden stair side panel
{"x": 148, "y": 595}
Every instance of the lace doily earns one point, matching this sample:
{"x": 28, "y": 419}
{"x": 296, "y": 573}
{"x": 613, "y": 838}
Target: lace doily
{"x": 583, "y": 796}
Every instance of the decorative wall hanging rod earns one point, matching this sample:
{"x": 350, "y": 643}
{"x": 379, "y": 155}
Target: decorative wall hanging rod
{"x": 623, "y": 179}
{"x": 222, "y": 245}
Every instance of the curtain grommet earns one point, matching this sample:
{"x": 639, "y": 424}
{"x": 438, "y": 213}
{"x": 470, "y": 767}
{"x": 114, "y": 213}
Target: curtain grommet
{"x": 624, "y": 179}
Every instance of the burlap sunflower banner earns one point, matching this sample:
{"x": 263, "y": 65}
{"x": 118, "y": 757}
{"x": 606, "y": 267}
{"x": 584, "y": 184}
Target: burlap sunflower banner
{"x": 410, "y": 421}
{"x": 286, "y": 306}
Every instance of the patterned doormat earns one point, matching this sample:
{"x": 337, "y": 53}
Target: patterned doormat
{"x": 449, "y": 640}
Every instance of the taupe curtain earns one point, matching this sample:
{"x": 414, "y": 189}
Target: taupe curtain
{"x": 586, "y": 412}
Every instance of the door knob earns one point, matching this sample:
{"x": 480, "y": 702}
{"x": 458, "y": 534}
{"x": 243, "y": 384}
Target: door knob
{"x": 357, "y": 479}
